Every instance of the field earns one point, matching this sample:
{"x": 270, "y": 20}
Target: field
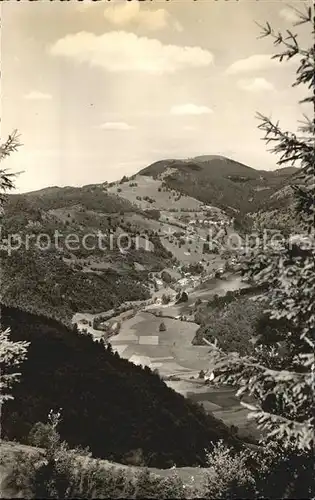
{"x": 142, "y": 187}
{"x": 185, "y": 244}
{"x": 179, "y": 223}
{"x": 171, "y": 352}
{"x": 140, "y": 341}
{"x": 219, "y": 401}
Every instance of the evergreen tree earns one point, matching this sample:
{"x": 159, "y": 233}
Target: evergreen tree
{"x": 162, "y": 327}
{"x": 280, "y": 375}
{"x": 7, "y": 178}
{"x": 11, "y": 353}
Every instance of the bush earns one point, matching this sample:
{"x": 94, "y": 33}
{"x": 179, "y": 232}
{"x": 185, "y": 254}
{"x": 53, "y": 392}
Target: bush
{"x": 65, "y": 474}
{"x": 198, "y": 302}
{"x": 205, "y": 248}
{"x": 166, "y": 277}
{"x": 162, "y": 327}
{"x": 171, "y": 487}
{"x": 59, "y": 472}
{"x": 41, "y": 435}
{"x": 229, "y": 475}
{"x": 182, "y": 298}
{"x": 194, "y": 268}
{"x": 166, "y": 299}
{"x": 147, "y": 485}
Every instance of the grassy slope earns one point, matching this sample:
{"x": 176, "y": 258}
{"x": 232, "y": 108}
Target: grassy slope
{"x": 175, "y": 212}
{"x": 9, "y": 450}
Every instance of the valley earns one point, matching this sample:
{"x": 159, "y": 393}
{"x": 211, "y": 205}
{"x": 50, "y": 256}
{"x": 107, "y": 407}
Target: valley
{"x": 132, "y": 318}
{"x": 141, "y": 300}
{"x": 157, "y": 263}
{"x": 171, "y": 352}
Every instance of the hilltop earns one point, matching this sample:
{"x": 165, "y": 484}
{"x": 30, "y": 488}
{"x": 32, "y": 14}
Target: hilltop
{"x": 220, "y": 181}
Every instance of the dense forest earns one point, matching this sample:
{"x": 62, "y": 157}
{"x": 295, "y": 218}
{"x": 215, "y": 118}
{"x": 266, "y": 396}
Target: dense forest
{"x": 220, "y": 181}
{"x": 108, "y": 404}
{"x": 41, "y": 283}
{"x": 58, "y": 281}
{"x": 91, "y": 197}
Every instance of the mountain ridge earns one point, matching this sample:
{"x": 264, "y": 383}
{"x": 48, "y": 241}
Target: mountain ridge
{"x": 198, "y": 158}
{"x": 221, "y": 181}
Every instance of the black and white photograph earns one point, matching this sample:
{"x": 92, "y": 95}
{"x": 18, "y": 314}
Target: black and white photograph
{"x": 157, "y": 194}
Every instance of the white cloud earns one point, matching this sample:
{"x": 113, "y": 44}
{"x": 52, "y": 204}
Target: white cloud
{"x": 255, "y": 85}
{"x": 131, "y": 12}
{"x": 128, "y": 12}
{"x": 121, "y": 14}
{"x": 87, "y": 4}
{"x": 256, "y": 62}
{"x": 289, "y": 15}
{"x": 190, "y": 109}
{"x": 119, "y": 51}
{"x": 37, "y": 96}
{"x": 116, "y": 126}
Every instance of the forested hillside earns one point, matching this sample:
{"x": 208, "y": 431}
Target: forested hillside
{"x": 42, "y": 283}
{"x": 60, "y": 279}
{"x": 108, "y": 404}
{"x": 220, "y": 181}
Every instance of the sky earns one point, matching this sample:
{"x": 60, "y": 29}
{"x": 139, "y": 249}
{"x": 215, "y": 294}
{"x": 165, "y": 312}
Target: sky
{"x": 102, "y": 89}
